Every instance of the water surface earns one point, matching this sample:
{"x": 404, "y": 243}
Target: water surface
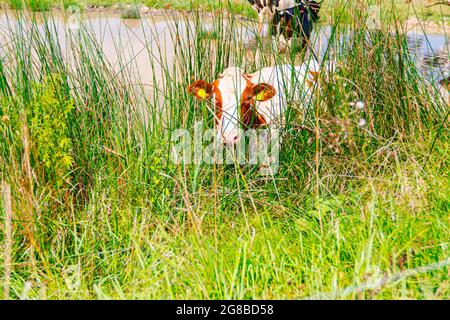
{"x": 141, "y": 49}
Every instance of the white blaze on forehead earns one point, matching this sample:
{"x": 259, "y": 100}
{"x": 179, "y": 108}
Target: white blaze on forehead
{"x": 231, "y": 86}
{"x": 231, "y": 72}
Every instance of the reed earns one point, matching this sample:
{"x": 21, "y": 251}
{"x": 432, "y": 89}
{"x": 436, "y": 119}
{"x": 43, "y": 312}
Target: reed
{"x": 112, "y": 217}
{"x": 7, "y": 251}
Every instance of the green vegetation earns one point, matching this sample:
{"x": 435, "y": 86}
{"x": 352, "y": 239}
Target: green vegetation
{"x": 392, "y": 10}
{"x": 34, "y": 5}
{"x": 131, "y": 12}
{"x": 100, "y": 211}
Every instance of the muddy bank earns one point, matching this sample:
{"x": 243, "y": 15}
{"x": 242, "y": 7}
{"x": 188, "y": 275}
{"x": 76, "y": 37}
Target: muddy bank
{"x": 419, "y": 26}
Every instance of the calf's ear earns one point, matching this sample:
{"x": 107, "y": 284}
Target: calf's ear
{"x": 201, "y": 89}
{"x": 263, "y": 91}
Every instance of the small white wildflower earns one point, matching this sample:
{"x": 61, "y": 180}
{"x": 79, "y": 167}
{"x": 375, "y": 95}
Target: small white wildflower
{"x": 362, "y": 122}
{"x": 359, "y": 105}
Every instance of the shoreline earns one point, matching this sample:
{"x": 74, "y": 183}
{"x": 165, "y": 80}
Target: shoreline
{"x": 410, "y": 25}
{"x": 416, "y": 25}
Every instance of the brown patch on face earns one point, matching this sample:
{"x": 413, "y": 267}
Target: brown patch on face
{"x": 250, "y": 117}
{"x": 218, "y": 103}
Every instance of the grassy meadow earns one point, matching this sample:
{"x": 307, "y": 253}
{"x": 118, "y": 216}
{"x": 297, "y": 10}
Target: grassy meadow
{"x": 93, "y": 208}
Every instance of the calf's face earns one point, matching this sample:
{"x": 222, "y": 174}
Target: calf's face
{"x": 235, "y": 97}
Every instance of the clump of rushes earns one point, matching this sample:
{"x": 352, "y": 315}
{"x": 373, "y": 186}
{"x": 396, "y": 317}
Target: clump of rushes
{"x": 131, "y": 12}
{"x": 208, "y": 34}
{"x": 16, "y": 4}
{"x": 361, "y": 195}
{"x": 33, "y": 5}
{"x": 72, "y": 3}
{"x": 39, "y": 5}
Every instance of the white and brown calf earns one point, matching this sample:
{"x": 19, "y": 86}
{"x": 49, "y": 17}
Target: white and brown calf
{"x": 253, "y": 100}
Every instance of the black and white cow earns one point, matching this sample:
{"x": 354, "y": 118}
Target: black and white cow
{"x": 288, "y": 18}
{"x": 263, "y": 7}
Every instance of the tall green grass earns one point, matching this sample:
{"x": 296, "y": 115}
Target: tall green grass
{"x": 99, "y": 210}
{"x": 391, "y": 9}
{"x": 33, "y": 5}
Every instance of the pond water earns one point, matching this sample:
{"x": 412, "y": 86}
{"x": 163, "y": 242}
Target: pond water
{"x": 144, "y": 46}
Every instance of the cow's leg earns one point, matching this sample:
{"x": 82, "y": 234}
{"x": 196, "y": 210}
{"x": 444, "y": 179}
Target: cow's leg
{"x": 305, "y": 29}
{"x": 274, "y": 19}
{"x": 260, "y": 22}
{"x": 275, "y": 29}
